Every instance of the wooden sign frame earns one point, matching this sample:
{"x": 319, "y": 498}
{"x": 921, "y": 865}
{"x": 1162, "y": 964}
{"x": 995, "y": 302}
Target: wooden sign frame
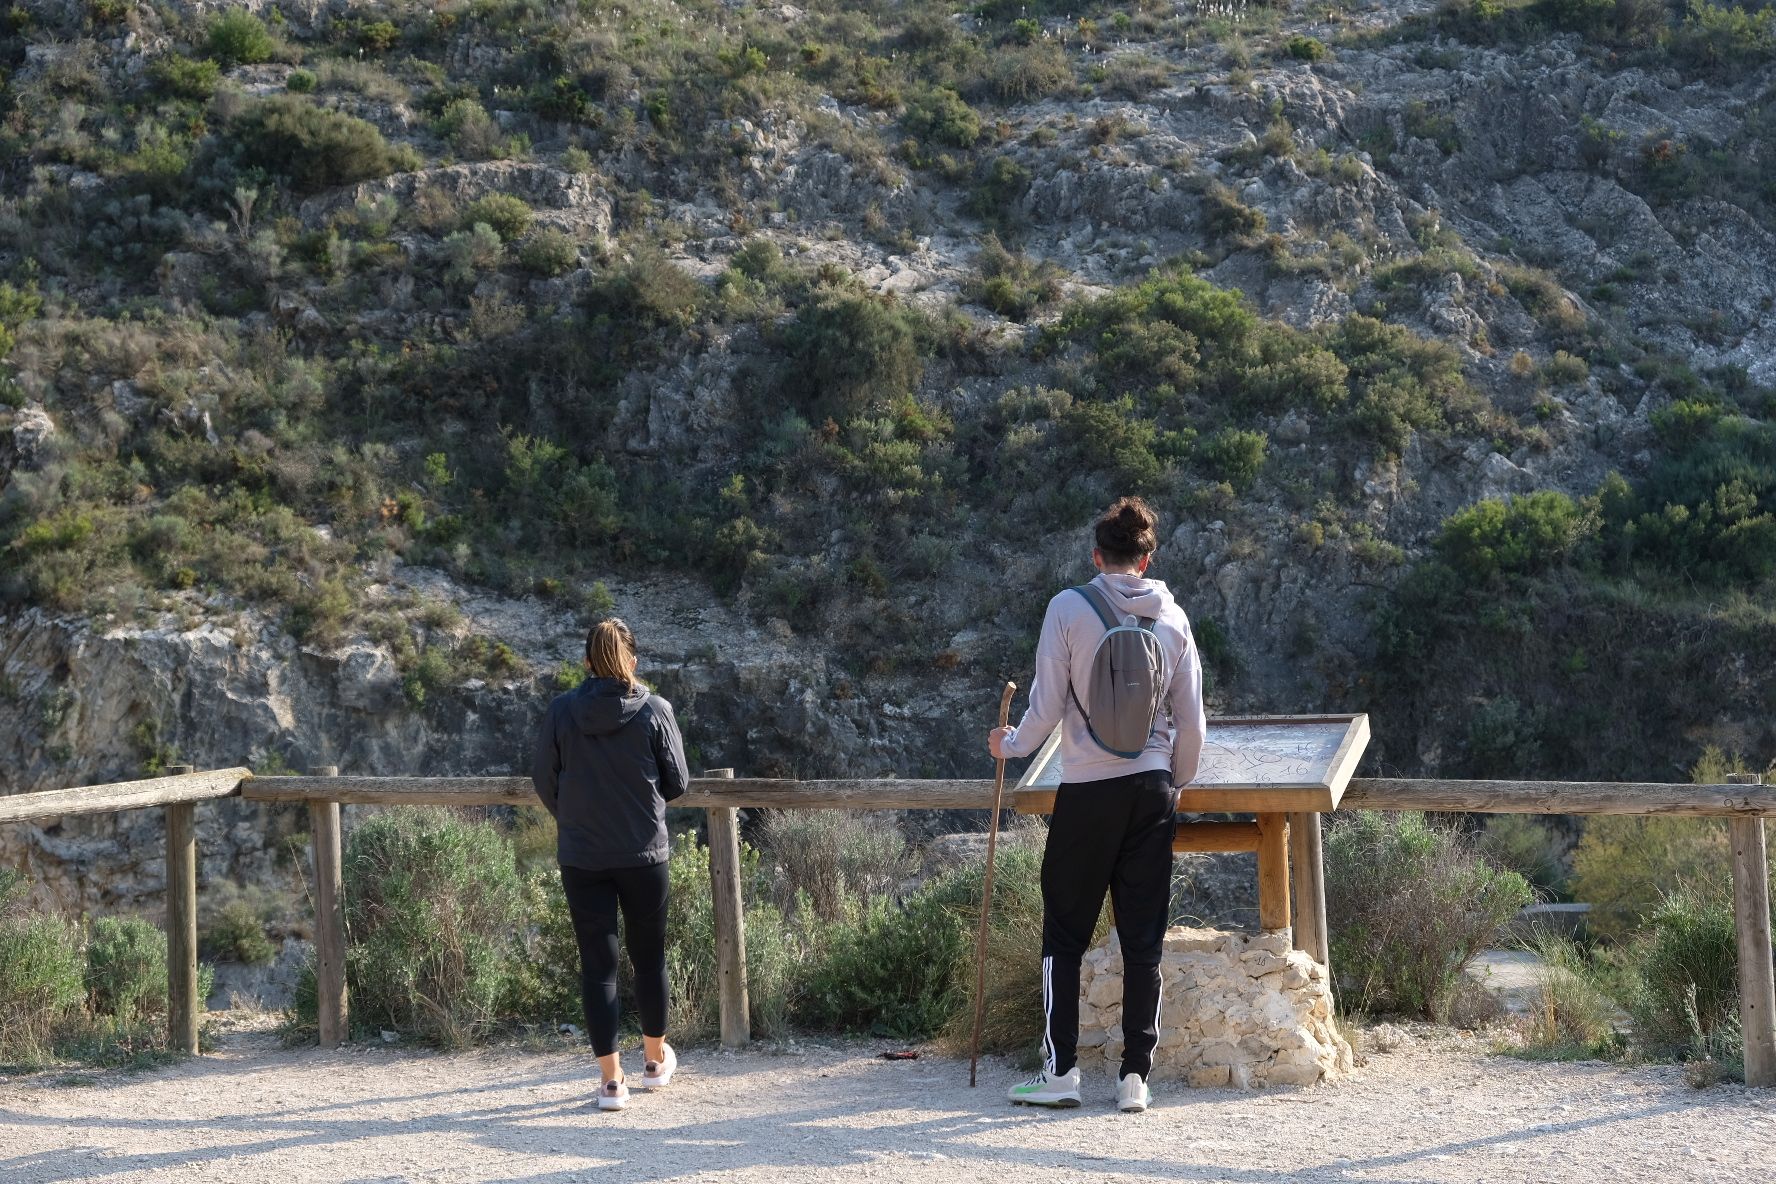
{"x": 1231, "y": 794}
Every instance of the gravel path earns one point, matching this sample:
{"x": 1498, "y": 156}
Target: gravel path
{"x": 1437, "y": 1110}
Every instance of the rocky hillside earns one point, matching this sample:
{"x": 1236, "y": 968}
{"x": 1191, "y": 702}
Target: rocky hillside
{"x": 356, "y": 355}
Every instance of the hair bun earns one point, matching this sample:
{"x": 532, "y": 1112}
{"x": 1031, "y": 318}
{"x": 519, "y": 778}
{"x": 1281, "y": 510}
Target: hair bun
{"x": 1125, "y": 532}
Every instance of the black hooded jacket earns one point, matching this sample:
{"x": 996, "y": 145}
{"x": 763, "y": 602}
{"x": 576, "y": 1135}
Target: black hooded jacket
{"x": 608, "y": 759}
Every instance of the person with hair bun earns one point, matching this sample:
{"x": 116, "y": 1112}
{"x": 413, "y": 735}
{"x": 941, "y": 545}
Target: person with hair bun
{"x": 1117, "y": 671}
{"x": 608, "y": 759}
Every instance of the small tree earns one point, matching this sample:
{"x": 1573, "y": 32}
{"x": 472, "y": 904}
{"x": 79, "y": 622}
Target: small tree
{"x": 239, "y": 38}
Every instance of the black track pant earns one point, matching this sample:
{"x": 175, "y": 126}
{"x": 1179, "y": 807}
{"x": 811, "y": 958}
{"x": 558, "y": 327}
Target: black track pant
{"x": 1114, "y": 834}
{"x": 593, "y": 899}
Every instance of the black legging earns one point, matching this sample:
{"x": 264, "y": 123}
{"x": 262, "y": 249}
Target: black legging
{"x": 592, "y": 901}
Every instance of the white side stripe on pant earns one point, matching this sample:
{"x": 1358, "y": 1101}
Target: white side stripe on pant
{"x": 1048, "y": 1048}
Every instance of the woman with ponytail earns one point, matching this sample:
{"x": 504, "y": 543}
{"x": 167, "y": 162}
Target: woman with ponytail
{"x": 1117, "y": 672}
{"x": 608, "y": 759}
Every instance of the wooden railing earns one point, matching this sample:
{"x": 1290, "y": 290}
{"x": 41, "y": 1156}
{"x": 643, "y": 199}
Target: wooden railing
{"x": 1743, "y": 801}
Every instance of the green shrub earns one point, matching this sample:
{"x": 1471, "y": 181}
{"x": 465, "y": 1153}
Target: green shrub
{"x": 891, "y": 970}
{"x": 41, "y": 974}
{"x": 850, "y": 350}
{"x": 315, "y": 147}
{"x": 126, "y": 968}
{"x": 544, "y": 986}
{"x": 1525, "y": 535}
{"x": 1235, "y": 455}
{"x": 1010, "y": 283}
{"x": 1026, "y": 73}
{"x": 507, "y": 215}
{"x": 836, "y": 858}
{"x": 654, "y": 290}
{"x": 185, "y": 78}
{"x": 1409, "y": 904}
{"x": 468, "y": 253}
{"x": 1686, "y": 971}
{"x": 433, "y": 904}
{"x": 471, "y": 131}
{"x": 938, "y": 113}
{"x": 1305, "y": 49}
{"x": 300, "y": 82}
{"x": 1574, "y": 1017}
{"x": 237, "y": 38}
{"x": 549, "y": 252}
{"x": 235, "y": 932}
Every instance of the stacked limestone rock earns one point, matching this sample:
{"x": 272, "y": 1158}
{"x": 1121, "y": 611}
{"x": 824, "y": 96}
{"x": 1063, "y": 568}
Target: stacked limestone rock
{"x": 1236, "y": 1010}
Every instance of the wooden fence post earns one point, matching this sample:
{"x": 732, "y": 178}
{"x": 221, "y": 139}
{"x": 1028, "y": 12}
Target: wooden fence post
{"x": 730, "y": 920}
{"x": 1273, "y": 872}
{"x": 1751, "y": 921}
{"x": 333, "y": 1006}
{"x": 183, "y": 1005}
{"x": 1309, "y": 873}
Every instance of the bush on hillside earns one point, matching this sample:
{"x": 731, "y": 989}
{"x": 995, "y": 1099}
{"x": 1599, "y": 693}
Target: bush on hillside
{"x": 1409, "y": 904}
{"x": 549, "y": 252}
{"x": 508, "y": 216}
{"x": 1522, "y": 536}
{"x": 238, "y": 38}
{"x": 314, "y": 147}
{"x": 850, "y": 351}
{"x": 185, "y": 78}
{"x": 938, "y": 113}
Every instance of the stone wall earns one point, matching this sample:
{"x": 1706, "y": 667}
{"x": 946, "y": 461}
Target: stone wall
{"x": 1236, "y": 1010}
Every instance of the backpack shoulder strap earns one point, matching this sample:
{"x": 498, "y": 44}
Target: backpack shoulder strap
{"x": 1096, "y": 598}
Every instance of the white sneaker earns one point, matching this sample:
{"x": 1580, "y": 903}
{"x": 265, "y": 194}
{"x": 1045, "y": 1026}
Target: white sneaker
{"x": 658, "y": 1074}
{"x": 613, "y": 1095}
{"x": 1048, "y": 1089}
{"x": 1132, "y": 1095}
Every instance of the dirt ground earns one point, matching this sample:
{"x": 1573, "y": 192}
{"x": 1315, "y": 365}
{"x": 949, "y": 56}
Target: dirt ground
{"x": 1437, "y": 1109}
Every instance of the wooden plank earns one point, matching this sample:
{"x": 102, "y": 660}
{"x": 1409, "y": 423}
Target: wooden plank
{"x": 122, "y": 795}
{"x": 1751, "y": 923}
{"x": 1308, "y": 878}
{"x": 1273, "y": 872}
{"x": 183, "y": 1004}
{"x": 1559, "y": 797}
{"x": 704, "y": 792}
{"x": 331, "y": 998}
{"x": 1215, "y": 836}
{"x": 730, "y": 921}
{"x": 1272, "y": 799}
{"x": 1344, "y": 761}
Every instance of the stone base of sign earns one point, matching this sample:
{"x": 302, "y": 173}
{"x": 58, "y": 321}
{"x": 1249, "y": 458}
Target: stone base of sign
{"x": 1236, "y": 1010}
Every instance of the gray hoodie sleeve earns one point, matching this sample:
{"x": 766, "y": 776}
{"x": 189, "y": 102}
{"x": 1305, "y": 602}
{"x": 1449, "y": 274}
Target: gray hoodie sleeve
{"x": 1189, "y": 726}
{"x": 1048, "y": 691}
{"x": 545, "y": 762}
{"x": 669, "y": 753}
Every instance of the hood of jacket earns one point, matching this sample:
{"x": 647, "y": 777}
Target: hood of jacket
{"x": 1136, "y": 595}
{"x": 602, "y": 705}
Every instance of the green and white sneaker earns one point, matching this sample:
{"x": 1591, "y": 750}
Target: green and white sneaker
{"x": 1048, "y": 1089}
{"x": 1132, "y": 1095}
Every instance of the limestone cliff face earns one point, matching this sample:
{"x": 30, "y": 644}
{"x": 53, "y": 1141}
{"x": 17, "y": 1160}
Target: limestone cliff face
{"x": 85, "y": 702}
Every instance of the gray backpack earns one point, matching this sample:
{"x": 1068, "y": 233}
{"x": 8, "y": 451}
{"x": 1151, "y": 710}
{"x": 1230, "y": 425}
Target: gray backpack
{"x": 1127, "y": 681}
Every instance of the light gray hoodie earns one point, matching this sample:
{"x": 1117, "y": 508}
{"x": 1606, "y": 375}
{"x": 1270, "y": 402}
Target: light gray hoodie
{"x": 1071, "y": 631}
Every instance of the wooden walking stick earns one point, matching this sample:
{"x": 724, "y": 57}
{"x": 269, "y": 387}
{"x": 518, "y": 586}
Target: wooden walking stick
{"x": 980, "y": 940}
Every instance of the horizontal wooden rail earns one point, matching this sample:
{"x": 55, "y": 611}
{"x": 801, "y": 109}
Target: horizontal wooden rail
{"x": 122, "y": 795}
{"x": 1215, "y": 836}
{"x": 704, "y": 792}
{"x": 1558, "y": 797}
